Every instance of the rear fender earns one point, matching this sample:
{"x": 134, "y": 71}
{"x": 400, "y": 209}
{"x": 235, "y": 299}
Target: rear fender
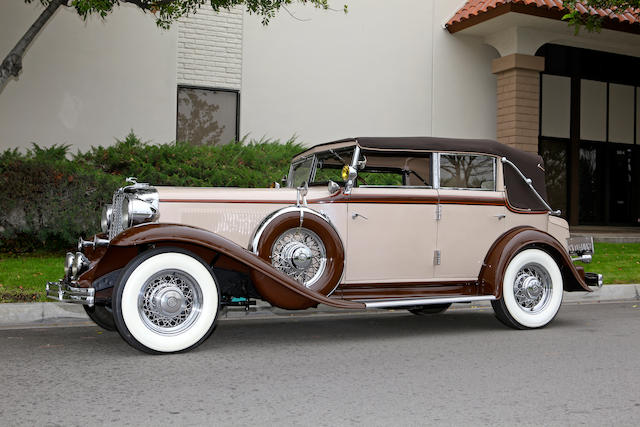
{"x": 516, "y": 240}
{"x": 290, "y": 294}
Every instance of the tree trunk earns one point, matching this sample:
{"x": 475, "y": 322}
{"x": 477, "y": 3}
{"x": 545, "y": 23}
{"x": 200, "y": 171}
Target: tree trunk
{"x": 12, "y": 63}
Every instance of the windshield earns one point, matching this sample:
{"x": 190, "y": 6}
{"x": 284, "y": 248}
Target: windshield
{"x": 320, "y": 168}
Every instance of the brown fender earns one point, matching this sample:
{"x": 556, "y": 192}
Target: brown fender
{"x": 290, "y": 294}
{"x": 515, "y": 240}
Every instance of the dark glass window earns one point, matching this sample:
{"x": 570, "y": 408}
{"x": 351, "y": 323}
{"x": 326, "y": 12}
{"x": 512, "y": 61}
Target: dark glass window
{"x": 467, "y": 171}
{"x": 206, "y": 116}
{"x": 591, "y": 175}
{"x": 554, "y": 154}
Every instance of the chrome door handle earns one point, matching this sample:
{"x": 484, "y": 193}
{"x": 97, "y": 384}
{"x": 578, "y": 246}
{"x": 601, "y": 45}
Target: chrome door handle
{"x": 356, "y": 215}
{"x": 500, "y": 216}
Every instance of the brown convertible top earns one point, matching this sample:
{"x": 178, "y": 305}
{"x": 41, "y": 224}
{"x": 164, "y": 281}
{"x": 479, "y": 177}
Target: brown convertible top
{"x": 519, "y": 193}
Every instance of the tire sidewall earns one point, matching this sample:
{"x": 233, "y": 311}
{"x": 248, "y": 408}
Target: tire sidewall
{"x": 515, "y": 312}
{"x": 125, "y": 301}
{"x": 334, "y": 266}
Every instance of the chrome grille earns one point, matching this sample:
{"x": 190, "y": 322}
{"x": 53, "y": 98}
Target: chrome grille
{"x": 115, "y": 227}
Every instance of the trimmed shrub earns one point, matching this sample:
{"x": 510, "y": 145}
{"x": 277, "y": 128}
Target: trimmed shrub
{"x": 48, "y": 200}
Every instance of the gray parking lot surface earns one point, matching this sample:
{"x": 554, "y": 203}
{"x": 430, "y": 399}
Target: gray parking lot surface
{"x": 391, "y": 368}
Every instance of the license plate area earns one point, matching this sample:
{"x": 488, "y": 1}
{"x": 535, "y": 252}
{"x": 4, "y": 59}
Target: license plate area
{"x": 580, "y": 245}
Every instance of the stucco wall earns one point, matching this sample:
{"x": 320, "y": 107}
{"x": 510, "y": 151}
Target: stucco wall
{"x": 87, "y": 83}
{"x": 379, "y": 70}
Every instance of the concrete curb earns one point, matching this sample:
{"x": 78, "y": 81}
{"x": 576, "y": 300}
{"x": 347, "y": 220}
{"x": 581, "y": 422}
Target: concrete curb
{"x": 64, "y": 314}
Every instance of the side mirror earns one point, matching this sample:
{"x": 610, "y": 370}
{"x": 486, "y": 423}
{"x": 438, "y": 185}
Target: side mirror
{"x": 333, "y": 187}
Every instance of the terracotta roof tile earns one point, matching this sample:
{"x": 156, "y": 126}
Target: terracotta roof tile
{"x": 474, "y": 8}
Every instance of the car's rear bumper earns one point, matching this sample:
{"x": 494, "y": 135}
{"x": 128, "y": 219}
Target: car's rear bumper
{"x": 64, "y": 291}
{"x": 593, "y": 279}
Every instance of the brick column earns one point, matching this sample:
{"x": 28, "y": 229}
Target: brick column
{"x": 518, "y": 100}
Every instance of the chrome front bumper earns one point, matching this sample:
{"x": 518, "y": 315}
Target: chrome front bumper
{"x": 64, "y": 292}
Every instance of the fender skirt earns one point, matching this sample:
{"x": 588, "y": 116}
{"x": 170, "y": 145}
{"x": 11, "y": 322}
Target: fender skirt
{"x": 282, "y": 291}
{"x": 512, "y": 242}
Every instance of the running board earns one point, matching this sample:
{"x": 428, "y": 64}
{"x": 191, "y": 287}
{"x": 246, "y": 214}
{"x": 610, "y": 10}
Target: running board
{"x": 423, "y": 301}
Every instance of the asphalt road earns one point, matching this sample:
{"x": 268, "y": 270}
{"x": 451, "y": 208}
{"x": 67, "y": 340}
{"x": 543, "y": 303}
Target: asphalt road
{"x": 391, "y": 368}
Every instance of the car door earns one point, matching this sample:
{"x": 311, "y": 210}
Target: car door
{"x": 391, "y": 235}
{"x": 472, "y": 214}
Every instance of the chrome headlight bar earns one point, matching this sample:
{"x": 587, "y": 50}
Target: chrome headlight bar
{"x": 134, "y": 204}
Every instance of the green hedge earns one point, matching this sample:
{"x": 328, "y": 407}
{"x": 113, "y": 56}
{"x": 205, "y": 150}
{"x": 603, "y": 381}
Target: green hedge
{"x": 49, "y": 197}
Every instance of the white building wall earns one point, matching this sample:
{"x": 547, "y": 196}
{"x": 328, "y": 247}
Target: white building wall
{"x": 379, "y": 70}
{"x": 209, "y": 49}
{"x": 86, "y": 83}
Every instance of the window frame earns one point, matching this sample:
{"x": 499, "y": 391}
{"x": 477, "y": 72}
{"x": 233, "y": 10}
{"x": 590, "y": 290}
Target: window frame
{"x": 436, "y": 171}
{"x": 213, "y": 89}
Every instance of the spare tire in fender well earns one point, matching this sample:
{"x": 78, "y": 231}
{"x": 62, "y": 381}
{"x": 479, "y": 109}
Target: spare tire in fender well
{"x": 292, "y": 218}
{"x": 514, "y": 241}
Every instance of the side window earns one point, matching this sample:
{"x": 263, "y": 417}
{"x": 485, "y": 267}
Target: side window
{"x": 395, "y": 171}
{"x": 467, "y": 171}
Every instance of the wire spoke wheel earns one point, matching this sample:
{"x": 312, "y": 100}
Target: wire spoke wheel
{"x": 300, "y": 254}
{"x": 532, "y": 288}
{"x": 169, "y": 302}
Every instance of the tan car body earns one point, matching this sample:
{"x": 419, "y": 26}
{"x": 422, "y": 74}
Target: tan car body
{"x": 395, "y": 243}
{"x": 392, "y": 246}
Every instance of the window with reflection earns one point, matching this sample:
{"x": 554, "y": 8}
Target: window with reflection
{"x": 467, "y": 171}
{"x": 207, "y": 116}
{"x": 554, "y": 154}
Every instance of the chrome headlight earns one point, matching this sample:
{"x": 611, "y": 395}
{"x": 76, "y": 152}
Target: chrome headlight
{"x": 68, "y": 263}
{"x": 105, "y": 221}
{"x": 136, "y": 210}
{"x": 79, "y": 265}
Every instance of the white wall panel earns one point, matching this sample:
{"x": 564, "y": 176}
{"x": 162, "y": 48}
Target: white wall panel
{"x": 621, "y": 99}
{"x": 593, "y": 110}
{"x": 86, "y": 83}
{"x": 556, "y": 106}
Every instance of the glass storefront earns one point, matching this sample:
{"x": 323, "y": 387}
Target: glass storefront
{"x": 590, "y": 135}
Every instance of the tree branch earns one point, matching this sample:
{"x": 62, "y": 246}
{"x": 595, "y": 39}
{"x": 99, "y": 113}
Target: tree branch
{"x": 12, "y": 63}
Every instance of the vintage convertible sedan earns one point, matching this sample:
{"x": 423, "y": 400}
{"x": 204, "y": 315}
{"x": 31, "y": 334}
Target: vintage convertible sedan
{"x": 414, "y": 223}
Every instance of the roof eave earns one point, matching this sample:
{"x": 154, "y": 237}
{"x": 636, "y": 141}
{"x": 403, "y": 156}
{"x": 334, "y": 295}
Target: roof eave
{"x": 533, "y": 10}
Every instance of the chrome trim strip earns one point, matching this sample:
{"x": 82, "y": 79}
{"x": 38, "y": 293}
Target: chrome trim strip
{"x": 435, "y": 167}
{"x": 528, "y": 181}
{"x": 423, "y": 301}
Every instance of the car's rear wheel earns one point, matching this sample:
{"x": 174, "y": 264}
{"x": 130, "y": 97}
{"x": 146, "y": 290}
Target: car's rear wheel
{"x": 531, "y": 291}
{"x": 426, "y": 310}
{"x": 102, "y": 316}
{"x": 166, "y": 301}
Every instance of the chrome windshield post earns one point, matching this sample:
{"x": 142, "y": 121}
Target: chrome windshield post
{"x": 354, "y": 164}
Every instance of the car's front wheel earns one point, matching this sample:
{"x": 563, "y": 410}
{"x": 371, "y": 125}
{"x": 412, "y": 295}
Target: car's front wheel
{"x": 531, "y": 291}
{"x": 166, "y": 301}
{"x": 102, "y": 316}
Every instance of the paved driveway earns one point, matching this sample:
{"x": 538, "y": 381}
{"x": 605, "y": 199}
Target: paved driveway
{"x": 391, "y": 368}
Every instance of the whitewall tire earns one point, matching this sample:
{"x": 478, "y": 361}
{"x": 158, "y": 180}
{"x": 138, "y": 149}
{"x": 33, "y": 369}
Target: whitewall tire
{"x": 531, "y": 291}
{"x": 166, "y": 301}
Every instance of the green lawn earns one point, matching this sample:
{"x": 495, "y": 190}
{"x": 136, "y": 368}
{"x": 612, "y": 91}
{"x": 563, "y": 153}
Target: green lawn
{"x": 617, "y": 262}
{"x": 22, "y": 277}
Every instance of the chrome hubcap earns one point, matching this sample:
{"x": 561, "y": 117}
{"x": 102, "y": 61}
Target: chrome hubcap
{"x": 532, "y": 288}
{"x": 169, "y": 302}
{"x": 300, "y": 254}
